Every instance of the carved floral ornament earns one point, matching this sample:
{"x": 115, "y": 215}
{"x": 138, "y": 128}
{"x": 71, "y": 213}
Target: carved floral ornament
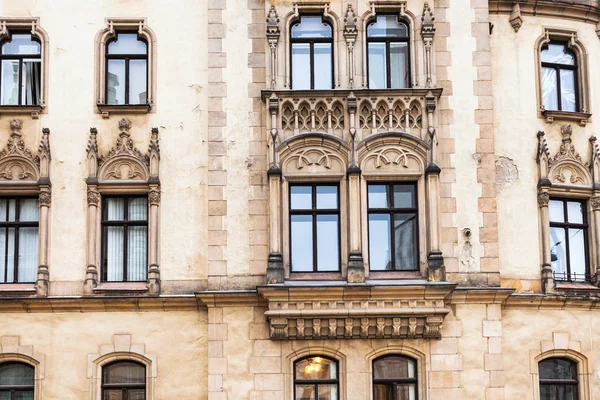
{"x": 18, "y": 163}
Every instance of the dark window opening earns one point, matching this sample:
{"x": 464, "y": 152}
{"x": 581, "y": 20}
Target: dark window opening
{"x": 124, "y": 380}
{"x": 16, "y": 381}
{"x": 20, "y": 70}
{"x": 558, "y": 379}
{"x": 394, "y": 378}
{"x": 126, "y": 77}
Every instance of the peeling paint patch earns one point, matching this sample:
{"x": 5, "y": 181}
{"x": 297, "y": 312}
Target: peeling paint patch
{"x": 507, "y": 173}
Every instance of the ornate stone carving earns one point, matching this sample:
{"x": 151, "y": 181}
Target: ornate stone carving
{"x": 93, "y": 197}
{"x": 382, "y": 312}
{"x": 427, "y": 22}
{"x": 543, "y": 198}
{"x": 154, "y": 197}
{"x": 515, "y": 19}
{"x": 567, "y": 151}
{"x": 45, "y": 199}
{"x": 390, "y": 114}
{"x": 392, "y": 159}
{"x": 272, "y": 20}
{"x": 595, "y": 203}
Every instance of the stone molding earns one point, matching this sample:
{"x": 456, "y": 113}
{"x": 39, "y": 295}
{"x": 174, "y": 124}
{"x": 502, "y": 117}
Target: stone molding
{"x": 123, "y": 170}
{"x": 582, "y": 10}
{"x": 112, "y": 26}
{"x": 7, "y": 25}
{"x": 22, "y": 173}
{"x": 375, "y": 312}
{"x": 103, "y": 304}
{"x": 121, "y": 348}
{"x": 423, "y": 367}
{"x": 12, "y": 350}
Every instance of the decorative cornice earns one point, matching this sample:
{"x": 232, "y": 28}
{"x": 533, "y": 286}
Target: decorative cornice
{"x": 581, "y": 10}
{"x": 248, "y": 298}
{"x": 104, "y": 304}
{"x": 464, "y": 295}
{"x": 549, "y": 302}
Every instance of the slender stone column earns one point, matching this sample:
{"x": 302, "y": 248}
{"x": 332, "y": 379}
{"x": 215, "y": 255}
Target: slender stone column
{"x": 275, "y": 273}
{"x": 91, "y": 273}
{"x": 43, "y": 274}
{"x": 543, "y": 199}
{"x": 153, "y": 268}
{"x": 595, "y": 203}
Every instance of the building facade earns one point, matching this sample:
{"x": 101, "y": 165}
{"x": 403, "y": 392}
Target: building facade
{"x": 279, "y": 199}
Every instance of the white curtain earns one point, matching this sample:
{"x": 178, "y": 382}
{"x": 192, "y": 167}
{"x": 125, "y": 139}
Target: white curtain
{"x": 115, "y": 240}
{"x": 31, "y": 80}
{"x": 28, "y": 241}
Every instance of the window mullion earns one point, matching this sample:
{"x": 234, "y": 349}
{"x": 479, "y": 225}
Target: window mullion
{"x": 388, "y": 68}
{"x": 312, "y": 64}
{"x": 127, "y": 61}
{"x": 125, "y": 238}
{"x": 20, "y": 97}
{"x": 16, "y": 233}
{"x": 558, "y": 89}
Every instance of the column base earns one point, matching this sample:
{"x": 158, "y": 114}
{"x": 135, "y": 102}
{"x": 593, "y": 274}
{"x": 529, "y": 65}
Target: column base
{"x": 43, "y": 281}
{"x": 547, "y": 279}
{"x": 356, "y": 268}
{"x": 91, "y": 280}
{"x": 275, "y": 269}
{"x": 436, "y": 271}
{"x": 154, "y": 280}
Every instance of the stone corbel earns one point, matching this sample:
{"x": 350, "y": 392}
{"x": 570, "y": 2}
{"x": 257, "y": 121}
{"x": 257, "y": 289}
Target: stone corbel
{"x": 515, "y": 19}
{"x": 273, "y": 34}
{"x": 350, "y": 33}
{"x": 427, "y": 33}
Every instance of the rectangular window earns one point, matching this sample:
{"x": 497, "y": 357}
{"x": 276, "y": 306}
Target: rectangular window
{"x": 393, "y": 227}
{"x": 19, "y": 220}
{"x": 314, "y": 228}
{"x": 568, "y": 240}
{"x": 124, "y": 239}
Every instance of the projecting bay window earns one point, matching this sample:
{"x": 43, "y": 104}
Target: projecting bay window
{"x": 314, "y": 228}
{"x": 20, "y": 70}
{"x": 124, "y": 239}
{"x": 312, "y": 54}
{"x": 19, "y": 220}
{"x": 388, "y": 53}
{"x": 393, "y": 227}
{"x": 126, "y": 70}
{"x": 569, "y": 240}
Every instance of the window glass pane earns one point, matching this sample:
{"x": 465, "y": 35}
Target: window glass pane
{"x": 328, "y": 392}
{"x": 383, "y": 392}
{"x": 12, "y": 210}
{"x": 115, "y": 208}
{"x": 311, "y": 27}
{"x": 328, "y": 256}
{"x": 3, "y": 276}
{"x": 405, "y": 236}
{"x": 29, "y": 210}
{"x": 377, "y": 195}
{"x": 137, "y": 81}
{"x": 316, "y": 368}
{"x": 406, "y": 392}
{"x": 557, "y": 213}
{"x": 136, "y": 253}
{"x": 404, "y": 196}
{"x": 115, "y": 82}
{"x": 305, "y": 392}
{"x": 27, "y": 395}
{"x": 301, "y": 197}
{"x": 4, "y": 395}
{"x": 138, "y": 209}
{"x": 21, "y": 44}
{"x": 3, "y": 206}
{"x": 16, "y": 374}
{"x": 568, "y": 101}
{"x": 323, "y": 67}
{"x": 327, "y": 197}
{"x": 127, "y": 43}
{"x": 114, "y": 253}
{"x": 394, "y": 368}
{"x": 575, "y": 212}
{"x": 124, "y": 372}
{"x": 377, "y": 66}
{"x": 558, "y": 368}
{"x": 379, "y": 242}
{"x": 10, "y": 252}
{"x": 31, "y": 82}
{"x": 557, "y": 54}
{"x": 399, "y": 65}
{"x": 300, "y": 66}
{"x": 577, "y": 254}
{"x": 387, "y": 25}
{"x": 302, "y": 243}
{"x": 549, "y": 92}
{"x": 558, "y": 252}
{"x": 136, "y": 394}
{"x": 10, "y": 82}
{"x": 116, "y": 394}
{"x": 28, "y": 254}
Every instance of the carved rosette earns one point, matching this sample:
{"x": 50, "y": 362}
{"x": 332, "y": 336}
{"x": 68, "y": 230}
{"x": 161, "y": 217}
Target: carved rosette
{"x": 543, "y": 198}
{"x": 45, "y": 199}
{"x": 154, "y": 197}
{"x": 93, "y": 198}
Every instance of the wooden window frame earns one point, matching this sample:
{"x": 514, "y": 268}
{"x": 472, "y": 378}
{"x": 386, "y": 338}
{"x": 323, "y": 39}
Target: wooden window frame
{"x": 125, "y": 387}
{"x": 311, "y": 42}
{"x": 558, "y": 67}
{"x": 20, "y": 58}
{"x": 125, "y": 224}
{"x": 394, "y": 382}
{"x": 127, "y": 58}
{"x": 553, "y": 382}
{"x": 388, "y": 40}
{"x": 317, "y": 382}
{"x": 392, "y": 211}
{"x": 315, "y": 212}
{"x": 13, "y": 389}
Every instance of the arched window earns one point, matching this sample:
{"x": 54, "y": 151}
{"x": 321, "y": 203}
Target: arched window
{"x": 388, "y": 53}
{"x": 558, "y": 379}
{"x": 16, "y": 381}
{"x": 20, "y": 70}
{"x": 312, "y": 54}
{"x": 394, "y": 378}
{"x": 316, "y": 378}
{"x": 559, "y": 78}
{"x": 124, "y": 380}
{"x": 127, "y": 69}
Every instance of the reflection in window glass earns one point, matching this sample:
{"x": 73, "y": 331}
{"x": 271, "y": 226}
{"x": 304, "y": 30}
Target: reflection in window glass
{"x": 388, "y": 54}
{"x": 302, "y": 242}
{"x": 323, "y": 67}
{"x": 558, "y": 379}
{"x": 559, "y": 78}
{"x": 16, "y": 381}
{"x": 20, "y": 71}
{"x": 312, "y": 54}
{"x": 316, "y": 378}
{"x": 394, "y": 377}
{"x": 115, "y": 82}
{"x": 377, "y": 66}
{"x": 124, "y": 380}
{"x": 301, "y": 68}
{"x": 126, "y": 77}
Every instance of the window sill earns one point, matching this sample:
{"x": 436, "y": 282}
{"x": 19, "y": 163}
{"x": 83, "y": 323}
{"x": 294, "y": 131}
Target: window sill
{"x": 315, "y": 276}
{"x": 394, "y": 275}
{"x": 551, "y": 115}
{"x": 11, "y": 289}
{"x": 107, "y": 109}
{"x": 33, "y": 110}
{"x": 576, "y": 287}
{"x": 121, "y": 287}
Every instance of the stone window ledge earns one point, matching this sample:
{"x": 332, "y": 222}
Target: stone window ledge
{"x": 576, "y": 288}
{"x": 316, "y": 276}
{"x": 34, "y": 111}
{"x": 107, "y": 109}
{"x": 121, "y": 287}
{"x": 580, "y": 117}
{"x": 17, "y": 289}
